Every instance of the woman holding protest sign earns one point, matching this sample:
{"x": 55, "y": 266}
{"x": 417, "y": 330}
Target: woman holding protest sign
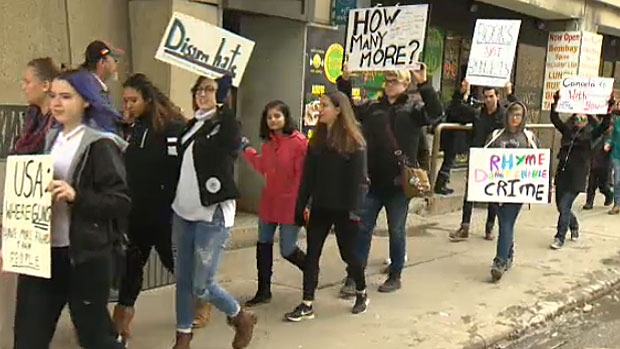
{"x": 90, "y": 197}
{"x": 513, "y": 135}
{"x": 573, "y": 166}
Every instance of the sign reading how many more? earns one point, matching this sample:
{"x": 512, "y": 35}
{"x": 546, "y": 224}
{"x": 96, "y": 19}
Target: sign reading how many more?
{"x": 26, "y": 215}
{"x": 509, "y": 175}
{"x": 385, "y": 38}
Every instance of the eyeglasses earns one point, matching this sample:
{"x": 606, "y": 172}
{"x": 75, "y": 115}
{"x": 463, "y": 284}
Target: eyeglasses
{"x": 392, "y": 81}
{"x": 206, "y": 89}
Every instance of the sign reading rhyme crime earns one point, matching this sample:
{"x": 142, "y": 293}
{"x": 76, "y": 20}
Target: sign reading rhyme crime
{"x": 385, "y": 38}
{"x": 492, "y": 52}
{"x": 204, "y": 49}
{"x": 585, "y": 95}
{"x": 26, "y": 215}
{"x": 509, "y": 175}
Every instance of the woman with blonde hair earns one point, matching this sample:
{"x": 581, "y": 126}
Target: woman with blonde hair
{"x": 334, "y": 179}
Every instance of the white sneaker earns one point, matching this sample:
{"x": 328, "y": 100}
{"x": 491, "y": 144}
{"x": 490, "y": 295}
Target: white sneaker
{"x": 388, "y": 261}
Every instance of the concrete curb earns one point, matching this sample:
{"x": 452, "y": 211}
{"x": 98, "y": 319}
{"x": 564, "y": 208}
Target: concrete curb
{"x": 599, "y": 284}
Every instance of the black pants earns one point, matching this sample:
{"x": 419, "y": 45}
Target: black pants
{"x": 143, "y": 237}
{"x": 85, "y": 287}
{"x": 468, "y": 208}
{"x": 319, "y": 225}
{"x": 599, "y": 179}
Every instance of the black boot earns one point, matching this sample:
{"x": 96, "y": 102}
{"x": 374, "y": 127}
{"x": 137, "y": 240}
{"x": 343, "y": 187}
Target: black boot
{"x": 264, "y": 262}
{"x": 297, "y": 258}
{"x": 441, "y": 186}
{"x": 392, "y": 283}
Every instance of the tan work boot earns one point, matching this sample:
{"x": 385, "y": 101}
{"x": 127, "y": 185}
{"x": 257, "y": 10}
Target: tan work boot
{"x": 615, "y": 210}
{"x": 122, "y": 317}
{"x": 461, "y": 234}
{"x": 183, "y": 340}
{"x": 203, "y": 314}
{"x": 244, "y": 324}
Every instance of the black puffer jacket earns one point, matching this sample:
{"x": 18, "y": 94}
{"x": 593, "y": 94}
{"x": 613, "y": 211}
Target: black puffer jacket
{"x": 405, "y": 117}
{"x": 575, "y": 151}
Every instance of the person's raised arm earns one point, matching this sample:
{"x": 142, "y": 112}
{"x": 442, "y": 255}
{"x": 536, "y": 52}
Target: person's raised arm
{"x": 555, "y": 117}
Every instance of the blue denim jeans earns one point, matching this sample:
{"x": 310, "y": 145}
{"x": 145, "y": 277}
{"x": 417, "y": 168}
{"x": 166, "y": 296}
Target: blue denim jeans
{"x": 288, "y": 236}
{"x": 198, "y": 250}
{"x": 396, "y": 207}
{"x": 616, "y": 167}
{"x": 507, "y": 216}
{"x": 564, "y": 201}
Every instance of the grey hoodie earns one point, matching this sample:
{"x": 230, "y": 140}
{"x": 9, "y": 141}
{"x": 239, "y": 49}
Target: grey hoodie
{"x": 505, "y": 138}
{"x": 90, "y": 136}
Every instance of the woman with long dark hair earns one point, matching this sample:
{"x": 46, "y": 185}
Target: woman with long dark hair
{"x": 335, "y": 181}
{"x": 152, "y": 172}
{"x": 204, "y": 211}
{"x": 281, "y": 163}
{"x": 90, "y": 198}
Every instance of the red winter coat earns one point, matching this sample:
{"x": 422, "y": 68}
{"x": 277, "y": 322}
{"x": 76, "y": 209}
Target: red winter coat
{"x": 281, "y": 163}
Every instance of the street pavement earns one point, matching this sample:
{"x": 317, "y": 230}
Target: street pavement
{"x": 446, "y": 302}
{"x": 592, "y": 326}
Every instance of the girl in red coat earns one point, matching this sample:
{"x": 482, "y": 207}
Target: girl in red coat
{"x": 281, "y": 163}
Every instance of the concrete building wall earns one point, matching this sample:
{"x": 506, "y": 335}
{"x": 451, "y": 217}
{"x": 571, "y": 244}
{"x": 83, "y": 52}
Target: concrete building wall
{"x": 100, "y": 19}
{"x": 30, "y": 29}
{"x": 274, "y": 72}
{"x": 147, "y": 24}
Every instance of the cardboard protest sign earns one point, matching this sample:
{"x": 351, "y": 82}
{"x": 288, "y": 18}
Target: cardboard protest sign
{"x": 204, "y": 49}
{"x": 26, "y": 215}
{"x": 509, "y": 175}
{"x": 492, "y": 52}
{"x": 585, "y": 95}
{"x": 385, "y": 38}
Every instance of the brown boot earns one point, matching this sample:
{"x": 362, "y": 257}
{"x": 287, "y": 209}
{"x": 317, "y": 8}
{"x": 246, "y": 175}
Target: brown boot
{"x": 244, "y": 324}
{"x": 615, "y": 210}
{"x": 461, "y": 234}
{"x": 203, "y": 314}
{"x": 183, "y": 340}
{"x": 122, "y": 317}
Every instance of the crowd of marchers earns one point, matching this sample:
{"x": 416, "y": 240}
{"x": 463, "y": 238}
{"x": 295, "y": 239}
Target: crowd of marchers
{"x": 148, "y": 177}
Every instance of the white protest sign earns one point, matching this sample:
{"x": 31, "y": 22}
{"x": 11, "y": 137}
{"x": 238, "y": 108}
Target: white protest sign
{"x": 492, "y": 52}
{"x": 204, "y": 49}
{"x": 385, "y": 38}
{"x": 585, "y": 95}
{"x": 509, "y": 175}
{"x": 26, "y": 215}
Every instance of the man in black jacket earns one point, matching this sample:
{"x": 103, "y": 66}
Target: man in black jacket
{"x": 394, "y": 117}
{"x": 490, "y": 118}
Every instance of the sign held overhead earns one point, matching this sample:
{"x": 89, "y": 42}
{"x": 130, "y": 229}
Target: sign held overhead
{"x": 386, "y": 38}
{"x": 585, "y": 95}
{"x": 204, "y": 49}
{"x": 492, "y": 52}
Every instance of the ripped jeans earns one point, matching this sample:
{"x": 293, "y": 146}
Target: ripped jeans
{"x": 198, "y": 249}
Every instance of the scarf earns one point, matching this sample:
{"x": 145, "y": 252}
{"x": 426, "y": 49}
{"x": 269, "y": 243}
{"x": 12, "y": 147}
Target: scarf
{"x": 32, "y": 139}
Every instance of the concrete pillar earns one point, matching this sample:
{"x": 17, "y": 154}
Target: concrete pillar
{"x": 275, "y": 71}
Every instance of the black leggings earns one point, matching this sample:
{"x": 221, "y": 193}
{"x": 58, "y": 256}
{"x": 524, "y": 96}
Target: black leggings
{"x": 144, "y": 237}
{"x": 85, "y": 287}
{"x": 319, "y": 225}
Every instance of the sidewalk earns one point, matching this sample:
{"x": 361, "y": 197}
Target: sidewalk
{"x": 446, "y": 301}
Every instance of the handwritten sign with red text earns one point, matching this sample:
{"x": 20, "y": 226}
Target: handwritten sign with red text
{"x": 505, "y": 175}
{"x": 585, "y": 95}
{"x": 492, "y": 52}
